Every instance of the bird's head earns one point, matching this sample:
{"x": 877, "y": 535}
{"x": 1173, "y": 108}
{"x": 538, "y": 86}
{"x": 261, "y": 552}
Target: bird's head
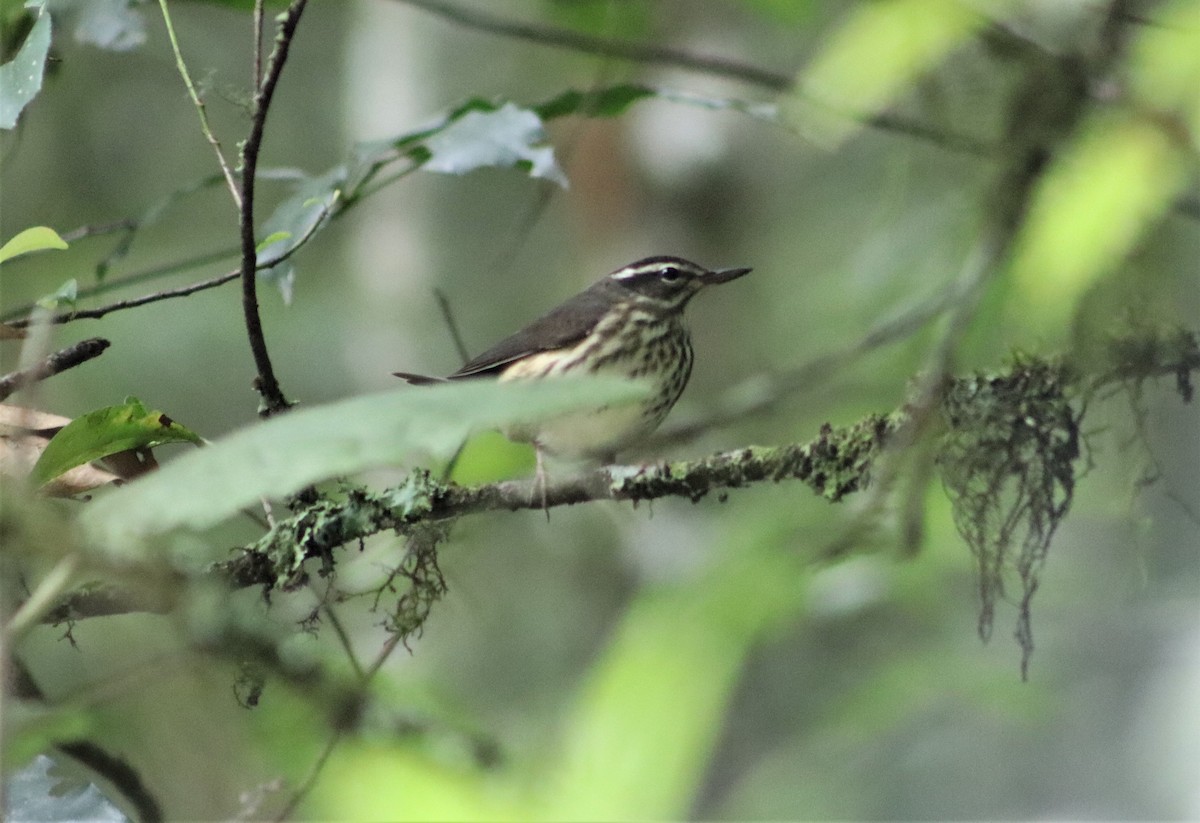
{"x": 668, "y": 282}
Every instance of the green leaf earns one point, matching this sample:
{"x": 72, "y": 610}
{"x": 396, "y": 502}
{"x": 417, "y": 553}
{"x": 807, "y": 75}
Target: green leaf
{"x": 507, "y": 137}
{"x": 273, "y": 237}
{"x": 1090, "y": 209}
{"x": 475, "y": 134}
{"x": 1164, "y": 63}
{"x": 36, "y": 238}
{"x": 107, "y": 431}
{"x": 607, "y": 102}
{"x": 67, "y": 293}
{"x": 875, "y": 56}
{"x": 297, "y": 217}
{"x": 639, "y": 742}
{"x": 21, "y": 77}
{"x": 293, "y": 450}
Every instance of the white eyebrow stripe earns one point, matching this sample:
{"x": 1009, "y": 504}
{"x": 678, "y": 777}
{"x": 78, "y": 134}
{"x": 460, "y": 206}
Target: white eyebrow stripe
{"x": 634, "y": 271}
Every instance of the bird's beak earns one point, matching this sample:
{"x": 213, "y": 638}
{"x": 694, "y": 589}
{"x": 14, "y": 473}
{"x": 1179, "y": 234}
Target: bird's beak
{"x": 724, "y": 276}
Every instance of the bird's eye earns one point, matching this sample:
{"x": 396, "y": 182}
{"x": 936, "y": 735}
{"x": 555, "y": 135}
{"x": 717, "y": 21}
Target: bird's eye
{"x": 670, "y": 274}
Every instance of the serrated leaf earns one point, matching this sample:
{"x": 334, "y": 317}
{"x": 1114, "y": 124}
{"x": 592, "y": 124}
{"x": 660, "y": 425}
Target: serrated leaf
{"x": 35, "y": 238}
{"x": 106, "y": 431}
{"x": 875, "y": 55}
{"x": 291, "y": 451}
{"x": 21, "y": 77}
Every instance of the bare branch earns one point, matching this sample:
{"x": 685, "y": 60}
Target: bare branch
{"x": 167, "y": 294}
{"x": 605, "y": 47}
{"x": 266, "y": 384}
{"x": 60, "y": 361}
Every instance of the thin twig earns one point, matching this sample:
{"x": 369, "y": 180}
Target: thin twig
{"x": 199, "y": 104}
{"x": 443, "y": 302}
{"x": 18, "y": 316}
{"x": 335, "y": 736}
{"x": 60, "y": 361}
{"x": 85, "y": 231}
{"x": 266, "y": 384}
{"x": 182, "y": 291}
{"x": 310, "y": 779}
{"x": 605, "y": 47}
{"x": 134, "y": 302}
{"x": 256, "y": 74}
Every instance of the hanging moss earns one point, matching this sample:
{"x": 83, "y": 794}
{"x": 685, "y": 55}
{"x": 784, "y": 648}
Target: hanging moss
{"x": 1008, "y": 464}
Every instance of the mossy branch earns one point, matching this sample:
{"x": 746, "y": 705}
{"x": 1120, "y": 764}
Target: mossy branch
{"x": 1007, "y": 448}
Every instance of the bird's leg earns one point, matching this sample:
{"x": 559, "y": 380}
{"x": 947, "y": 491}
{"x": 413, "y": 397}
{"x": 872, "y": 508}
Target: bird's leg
{"x": 539, "y": 479}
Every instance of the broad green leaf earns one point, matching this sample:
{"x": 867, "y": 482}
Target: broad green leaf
{"x": 293, "y": 450}
{"x": 1090, "y": 209}
{"x": 107, "y": 431}
{"x": 640, "y": 740}
{"x": 21, "y": 77}
{"x": 873, "y": 58}
{"x": 35, "y": 238}
{"x": 507, "y": 137}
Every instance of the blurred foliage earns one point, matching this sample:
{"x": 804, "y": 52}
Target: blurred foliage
{"x": 989, "y": 173}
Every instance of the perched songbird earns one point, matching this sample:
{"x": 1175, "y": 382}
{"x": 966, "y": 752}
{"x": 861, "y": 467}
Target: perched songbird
{"x": 630, "y": 324}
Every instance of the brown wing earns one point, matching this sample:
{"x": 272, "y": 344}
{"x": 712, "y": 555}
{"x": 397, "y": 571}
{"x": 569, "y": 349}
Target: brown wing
{"x": 563, "y": 326}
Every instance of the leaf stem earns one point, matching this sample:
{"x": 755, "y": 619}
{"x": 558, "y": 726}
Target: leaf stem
{"x": 199, "y": 104}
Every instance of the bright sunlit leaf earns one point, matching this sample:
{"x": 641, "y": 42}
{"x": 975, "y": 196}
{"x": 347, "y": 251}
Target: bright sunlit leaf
{"x": 1090, "y": 209}
{"x": 407, "y": 784}
{"x": 106, "y": 431}
{"x": 649, "y": 718}
{"x": 1165, "y": 63}
{"x": 35, "y": 238}
{"x": 873, "y": 58}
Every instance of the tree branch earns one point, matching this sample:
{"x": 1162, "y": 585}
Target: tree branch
{"x": 603, "y": 46}
{"x": 838, "y": 462}
{"x": 59, "y": 361}
{"x": 266, "y": 384}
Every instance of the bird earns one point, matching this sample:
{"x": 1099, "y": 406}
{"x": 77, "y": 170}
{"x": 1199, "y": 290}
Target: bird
{"x": 628, "y": 324}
